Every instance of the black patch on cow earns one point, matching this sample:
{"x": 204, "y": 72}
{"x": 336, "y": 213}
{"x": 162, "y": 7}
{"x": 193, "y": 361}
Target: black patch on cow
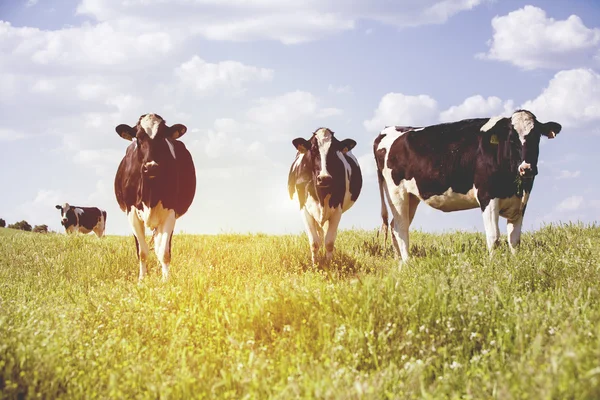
{"x": 302, "y": 178}
{"x": 175, "y": 182}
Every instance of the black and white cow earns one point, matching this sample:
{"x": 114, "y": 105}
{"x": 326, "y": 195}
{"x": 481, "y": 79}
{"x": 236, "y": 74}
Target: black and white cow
{"x": 155, "y": 184}
{"x": 327, "y": 180}
{"x": 488, "y": 163}
{"x": 82, "y": 219}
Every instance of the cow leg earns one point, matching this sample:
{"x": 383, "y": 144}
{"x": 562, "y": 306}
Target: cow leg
{"x": 139, "y": 232}
{"x": 331, "y": 234}
{"x": 513, "y": 228}
{"x": 491, "y": 213}
{"x": 400, "y": 224}
{"x": 314, "y": 232}
{"x": 162, "y": 243}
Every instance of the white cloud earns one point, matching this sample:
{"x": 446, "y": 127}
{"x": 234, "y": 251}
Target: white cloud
{"x": 226, "y": 76}
{"x": 286, "y": 21}
{"x": 566, "y": 174}
{"x": 339, "y": 89}
{"x": 572, "y": 203}
{"x": 529, "y": 39}
{"x": 329, "y": 112}
{"x": 572, "y": 98}
{"x": 477, "y": 107}
{"x": 87, "y": 47}
{"x": 9, "y": 135}
{"x": 401, "y": 109}
{"x": 31, "y": 3}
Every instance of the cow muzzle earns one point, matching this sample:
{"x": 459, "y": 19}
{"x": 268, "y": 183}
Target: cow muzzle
{"x": 324, "y": 180}
{"x": 64, "y": 221}
{"x": 150, "y": 169}
{"x": 527, "y": 171}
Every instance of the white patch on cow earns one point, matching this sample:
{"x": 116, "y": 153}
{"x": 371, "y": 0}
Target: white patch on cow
{"x": 78, "y": 211}
{"x": 490, "y": 124}
{"x": 150, "y": 124}
{"x": 490, "y": 223}
{"x": 524, "y": 166}
{"x": 153, "y": 217}
{"x": 512, "y": 208}
{"x": 452, "y": 201}
{"x": 386, "y": 142}
{"x": 523, "y": 122}
{"x": 171, "y": 148}
{"x": 324, "y": 138}
{"x": 135, "y": 143}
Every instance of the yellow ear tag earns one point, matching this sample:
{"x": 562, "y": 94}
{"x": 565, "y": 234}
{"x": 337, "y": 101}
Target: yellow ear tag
{"x": 344, "y": 150}
{"x": 494, "y": 139}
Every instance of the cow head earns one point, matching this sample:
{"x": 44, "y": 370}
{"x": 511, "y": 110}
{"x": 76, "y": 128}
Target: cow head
{"x": 321, "y": 162}
{"x": 529, "y": 131}
{"x": 152, "y": 142}
{"x": 67, "y": 214}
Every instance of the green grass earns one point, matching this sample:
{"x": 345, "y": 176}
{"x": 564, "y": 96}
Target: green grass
{"x": 248, "y": 316}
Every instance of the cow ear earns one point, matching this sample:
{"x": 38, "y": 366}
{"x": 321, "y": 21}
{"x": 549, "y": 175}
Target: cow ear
{"x": 347, "y": 145}
{"x": 125, "y": 131}
{"x": 177, "y": 131}
{"x": 551, "y": 129}
{"x": 301, "y": 144}
{"x": 58, "y": 207}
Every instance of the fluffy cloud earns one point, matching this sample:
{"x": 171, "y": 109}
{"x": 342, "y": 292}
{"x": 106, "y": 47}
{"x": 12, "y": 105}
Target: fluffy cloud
{"x": 401, "y": 109}
{"x": 477, "y": 107}
{"x": 566, "y": 174}
{"x": 572, "y": 203}
{"x": 571, "y": 98}
{"x": 228, "y": 76}
{"x": 529, "y": 39}
{"x": 283, "y": 20}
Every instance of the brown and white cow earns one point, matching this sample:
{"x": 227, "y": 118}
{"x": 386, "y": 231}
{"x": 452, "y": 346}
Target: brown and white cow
{"x": 488, "y": 163}
{"x": 155, "y": 184}
{"x": 327, "y": 180}
{"x": 82, "y": 219}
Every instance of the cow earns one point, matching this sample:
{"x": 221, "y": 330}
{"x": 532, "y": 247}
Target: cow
{"x": 82, "y": 219}
{"x": 155, "y": 184}
{"x": 488, "y": 163}
{"x": 327, "y": 180}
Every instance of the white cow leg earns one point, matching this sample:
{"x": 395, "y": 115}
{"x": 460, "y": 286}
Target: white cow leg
{"x": 513, "y": 228}
{"x": 139, "y": 232}
{"x": 490, "y": 223}
{"x": 331, "y": 234}
{"x": 400, "y": 225}
{"x": 162, "y": 243}
{"x": 314, "y": 238}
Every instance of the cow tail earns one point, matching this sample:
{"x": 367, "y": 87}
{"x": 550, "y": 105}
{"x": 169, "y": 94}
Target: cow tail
{"x": 384, "y": 211}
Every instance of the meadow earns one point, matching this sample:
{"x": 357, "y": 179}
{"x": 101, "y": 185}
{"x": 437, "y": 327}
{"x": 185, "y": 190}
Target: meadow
{"x": 249, "y": 317}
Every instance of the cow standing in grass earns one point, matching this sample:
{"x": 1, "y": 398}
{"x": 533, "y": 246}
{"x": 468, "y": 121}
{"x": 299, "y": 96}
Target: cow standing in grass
{"x": 82, "y": 219}
{"x": 326, "y": 178}
{"x": 155, "y": 184}
{"x": 488, "y": 163}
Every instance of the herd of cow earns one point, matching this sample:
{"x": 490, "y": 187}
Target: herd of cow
{"x": 488, "y": 163}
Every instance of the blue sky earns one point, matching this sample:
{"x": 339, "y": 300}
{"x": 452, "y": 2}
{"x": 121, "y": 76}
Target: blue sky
{"x": 247, "y": 77}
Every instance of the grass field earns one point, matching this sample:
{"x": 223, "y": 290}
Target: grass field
{"x": 248, "y": 316}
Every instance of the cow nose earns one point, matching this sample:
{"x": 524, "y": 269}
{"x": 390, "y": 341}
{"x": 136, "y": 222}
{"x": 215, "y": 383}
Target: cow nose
{"x": 64, "y": 220}
{"x": 150, "y": 169}
{"x": 527, "y": 171}
{"x": 324, "y": 180}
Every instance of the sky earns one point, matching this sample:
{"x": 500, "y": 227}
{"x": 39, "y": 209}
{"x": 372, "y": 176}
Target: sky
{"x": 248, "y": 76}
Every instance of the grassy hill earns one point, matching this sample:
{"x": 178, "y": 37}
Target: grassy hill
{"x": 248, "y": 316}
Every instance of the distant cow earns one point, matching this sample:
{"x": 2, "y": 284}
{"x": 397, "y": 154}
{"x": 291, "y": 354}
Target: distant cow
{"x": 327, "y": 179}
{"x": 155, "y": 184}
{"x": 485, "y": 163}
{"x": 82, "y": 219}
